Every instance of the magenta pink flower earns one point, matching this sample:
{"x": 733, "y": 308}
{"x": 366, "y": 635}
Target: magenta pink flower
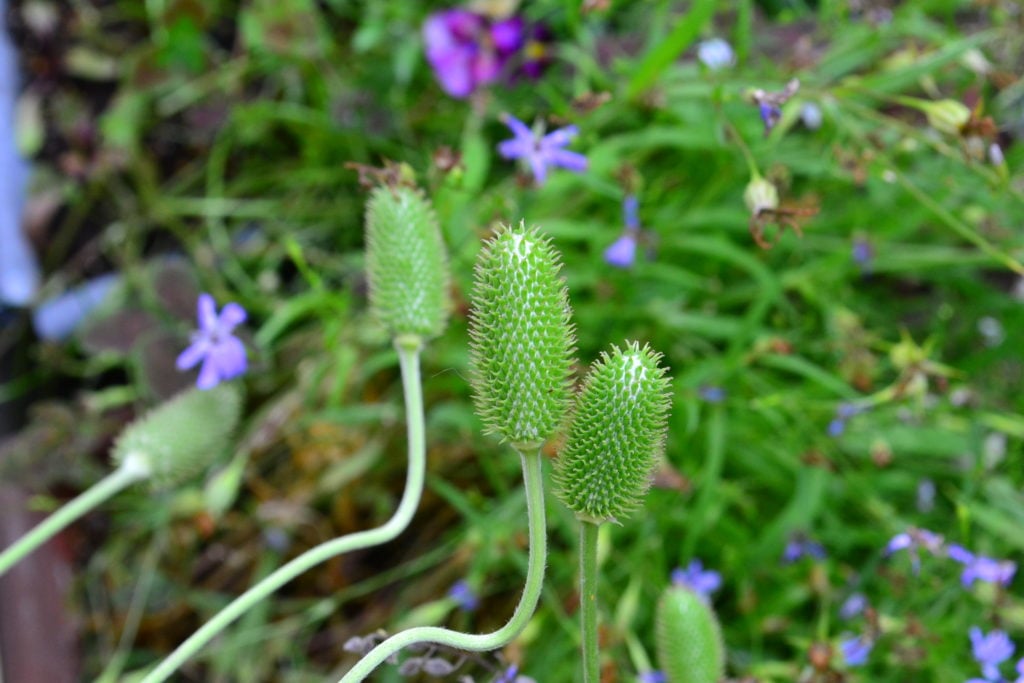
{"x": 467, "y": 50}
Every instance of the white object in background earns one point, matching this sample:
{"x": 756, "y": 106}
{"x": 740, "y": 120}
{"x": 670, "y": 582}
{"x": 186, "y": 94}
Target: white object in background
{"x": 716, "y": 54}
{"x": 58, "y": 317}
{"x": 19, "y": 269}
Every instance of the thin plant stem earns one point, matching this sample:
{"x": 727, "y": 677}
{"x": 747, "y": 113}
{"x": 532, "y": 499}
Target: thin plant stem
{"x": 588, "y": 601}
{"x": 480, "y": 642}
{"x": 129, "y": 473}
{"x": 409, "y": 359}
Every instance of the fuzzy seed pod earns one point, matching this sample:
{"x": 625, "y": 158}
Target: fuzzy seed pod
{"x": 689, "y": 638}
{"x": 522, "y": 343}
{"x": 177, "y": 439}
{"x": 759, "y": 195}
{"x": 617, "y": 434}
{"x": 406, "y": 263}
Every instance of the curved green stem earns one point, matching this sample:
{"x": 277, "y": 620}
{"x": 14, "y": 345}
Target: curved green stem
{"x": 129, "y": 473}
{"x": 588, "y": 601}
{"x": 408, "y": 356}
{"x": 473, "y": 642}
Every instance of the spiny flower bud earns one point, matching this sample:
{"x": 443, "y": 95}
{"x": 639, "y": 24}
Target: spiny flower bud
{"x": 521, "y": 350}
{"x": 760, "y": 194}
{"x": 177, "y": 439}
{"x": 406, "y": 263}
{"x": 617, "y": 434}
{"x": 689, "y": 638}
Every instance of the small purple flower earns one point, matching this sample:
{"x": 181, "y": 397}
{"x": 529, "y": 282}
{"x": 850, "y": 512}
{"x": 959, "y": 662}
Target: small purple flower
{"x": 913, "y": 540}
{"x": 801, "y": 546}
{"x": 863, "y": 254}
{"x": 511, "y": 675}
{"x": 811, "y": 116}
{"x": 770, "y": 116}
{"x": 467, "y": 51}
{"x": 711, "y": 393}
{"x": 541, "y": 152}
{"x": 981, "y": 568}
{"x": 853, "y": 605}
{"x": 652, "y": 677}
{"x": 631, "y": 212}
{"x": 836, "y": 427}
{"x": 696, "y": 579}
{"x": 844, "y": 411}
{"x": 222, "y": 354}
{"x": 464, "y": 596}
{"x": 855, "y": 650}
{"x": 622, "y": 252}
{"x": 990, "y": 651}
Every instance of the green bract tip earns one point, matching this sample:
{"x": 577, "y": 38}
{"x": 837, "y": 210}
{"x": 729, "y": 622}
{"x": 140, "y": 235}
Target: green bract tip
{"x": 617, "y": 434}
{"x": 176, "y": 439}
{"x": 521, "y": 349}
{"x": 689, "y": 638}
{"x": 406, "y": 263}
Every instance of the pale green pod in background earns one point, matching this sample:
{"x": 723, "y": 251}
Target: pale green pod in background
{"x": 522, "y": 342}
{"x": 406, "y": 263}
{"x": 689, "y": 638}
{"x": 617, "y": 435}
{"x": 177, "y": 439}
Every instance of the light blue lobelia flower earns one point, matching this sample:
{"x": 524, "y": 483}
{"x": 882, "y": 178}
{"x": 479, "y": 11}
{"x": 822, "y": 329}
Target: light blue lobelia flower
{"x": 540, "y": 152}
{"x": 990, "y": 650}
{"x": 701, "y": 581}
{"x": 222, "y": 354}
{"x": 716, "y": 54}
{"x": 855, "y": 650}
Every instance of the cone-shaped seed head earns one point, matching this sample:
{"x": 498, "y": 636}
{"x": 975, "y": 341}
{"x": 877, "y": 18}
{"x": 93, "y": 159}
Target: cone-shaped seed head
{"x": 180, "y": 437}
{"x": 617, "y": 434}
{"x": 521, "y": 349}
{"x": 689, "y": 638}
{"x": 406, "y": 263}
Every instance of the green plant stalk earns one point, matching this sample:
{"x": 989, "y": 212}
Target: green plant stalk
{"x": 130, "y": 472}
{"x": 481, "y": 642}
{"x": 588, "y": 601}
{"x": 409, "y": 359}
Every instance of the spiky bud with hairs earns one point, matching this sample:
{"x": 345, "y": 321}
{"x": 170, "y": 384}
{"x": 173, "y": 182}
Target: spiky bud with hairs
{"x": 406, "y": 263}
{"x": 522, "y": 343}
{"x": 689, "y": 638}
{"x": 178, "y": 438}
{"x": 617, "y": 434}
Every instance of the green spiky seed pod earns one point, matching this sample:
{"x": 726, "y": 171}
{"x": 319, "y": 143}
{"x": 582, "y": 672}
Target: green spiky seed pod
{"x": 522, "y": 344}
{"x": 689, "y": 638}
{"x": 617, "y": 434}
{"x": 406, "y": 263}
{"x": 177, "y": 439}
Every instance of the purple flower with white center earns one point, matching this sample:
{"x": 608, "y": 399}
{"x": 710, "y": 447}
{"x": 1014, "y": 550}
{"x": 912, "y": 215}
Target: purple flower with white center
{"x": 855, "y": 650}
{"x": 990, "y": 651}
{"x": 981, "y": 568}
{"x": 652, "y": 677}
{"x": 464, "y": 596}
{"x": 222, "y": 354}
{"x": 715, "y": 54}
{"x": 913, "y": 540}
{"x": 467, "y": 51}
{"x": 853, "y": 605}
{"x": 540, "y": 152}
{"x": 711, "y": 393}
{"x": 622, "y": 252}
{"x": 697, "y": 579}
{"x": 801, "y": 546}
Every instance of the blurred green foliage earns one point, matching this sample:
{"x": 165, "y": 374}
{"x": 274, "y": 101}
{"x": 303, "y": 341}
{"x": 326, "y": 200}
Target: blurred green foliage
{"x": 223, "y": 131}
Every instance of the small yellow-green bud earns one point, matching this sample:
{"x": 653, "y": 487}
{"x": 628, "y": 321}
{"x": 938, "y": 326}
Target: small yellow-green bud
{"x": 522, "y": 343}
{"x": 406, "y": 263}
{"x": 178, "y": 438}
{"x": 689, "y": 638}
{"x": 760, "y": 194}
{"x": 617, "y": 434}
{"x": 946, "y": 116}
